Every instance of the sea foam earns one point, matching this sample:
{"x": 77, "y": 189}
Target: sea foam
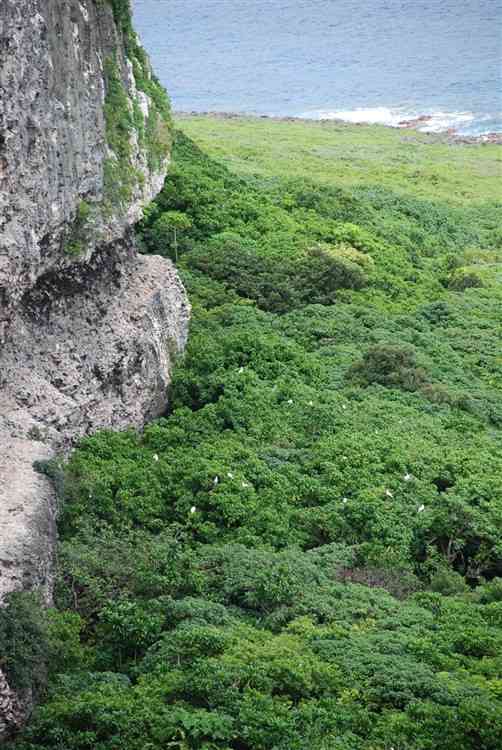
{"x": 433, "y": 122}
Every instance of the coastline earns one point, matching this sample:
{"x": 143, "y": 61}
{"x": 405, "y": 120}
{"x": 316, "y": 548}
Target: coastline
{"x": 449, "y": 135}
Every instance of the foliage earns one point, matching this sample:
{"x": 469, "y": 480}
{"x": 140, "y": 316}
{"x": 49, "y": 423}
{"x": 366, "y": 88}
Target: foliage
{"x": 122, "y": 16}
{"x": 23, "y": 641}
{"x": 125, "y": 118}
{"x": 391, "y": 365}
{"x": 305, "y": 553}
{"x": 120, "y": 177}
{"x": 80, "y": 230}
{"x": 461, "y": 281}
{"x": 166, "y": 229}
{"x": 370, "y": 158}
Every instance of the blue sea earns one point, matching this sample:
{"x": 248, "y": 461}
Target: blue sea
{"x": 359, "y": 60}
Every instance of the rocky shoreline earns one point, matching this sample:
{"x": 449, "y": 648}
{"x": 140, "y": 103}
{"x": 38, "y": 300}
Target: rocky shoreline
{"x": 450, "y": 134}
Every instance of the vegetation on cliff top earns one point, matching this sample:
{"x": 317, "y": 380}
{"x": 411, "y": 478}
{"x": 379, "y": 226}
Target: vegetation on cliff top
{"x": 126, "y": 120}
{"x": 305, "y": 553}
{"x": 404, "y": 162}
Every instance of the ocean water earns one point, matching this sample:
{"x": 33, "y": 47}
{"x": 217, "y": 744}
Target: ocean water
{"x": 359, "y": 60}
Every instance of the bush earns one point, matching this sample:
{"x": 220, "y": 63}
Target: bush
{"x": 459, "y": 282}
{"x": 23, "y": 641}
{"x": 490, "y": 592}
{"x": 389, "y": 365}
{"x": 325, "y": 270}
{"x": 278, "y": 284}
{"x": 448, "y": 582}
{"x": 399, "y": 583}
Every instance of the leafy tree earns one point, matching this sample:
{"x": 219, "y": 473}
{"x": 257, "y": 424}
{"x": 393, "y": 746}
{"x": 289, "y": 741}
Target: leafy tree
{"x": 166, "y": 229}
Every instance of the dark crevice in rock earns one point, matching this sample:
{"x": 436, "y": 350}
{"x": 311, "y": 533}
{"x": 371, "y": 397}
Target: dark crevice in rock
{"x": 50, "y": 289}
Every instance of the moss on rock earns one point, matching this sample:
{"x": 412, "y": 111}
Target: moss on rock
{"x": 126, "y": 118}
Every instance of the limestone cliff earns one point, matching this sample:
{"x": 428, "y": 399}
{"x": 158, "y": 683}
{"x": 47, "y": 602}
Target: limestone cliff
{"x": 88, "y": 329}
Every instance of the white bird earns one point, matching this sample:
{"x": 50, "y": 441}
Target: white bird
{"x": 311, "y": 403}
{"x": 343, "y": 406}
{"x": 230, "y": 475}
{"x": 290, "y": 400}
{"x": 216, "y": 480}
{"x": 345, "y": 500}
{"x": 421, "y": 508}
{"x": 155, "y": 457}
{"x": 193, "y": 509}
{"x": 240, "y": 370}
{"x": 389, "y": 493}
{"x": 245, "y": 484}
{"x": 407, "y": 477}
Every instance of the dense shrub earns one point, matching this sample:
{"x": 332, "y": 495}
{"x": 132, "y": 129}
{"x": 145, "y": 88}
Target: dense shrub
{"x": 458, "y": 282}
{"x": 23, "y": 641}
{"x": 389, "y": 365}
{"x": 305, "y": 553}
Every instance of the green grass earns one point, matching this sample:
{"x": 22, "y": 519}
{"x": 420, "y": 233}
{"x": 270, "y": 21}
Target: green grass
{"x": 352, "y": 155}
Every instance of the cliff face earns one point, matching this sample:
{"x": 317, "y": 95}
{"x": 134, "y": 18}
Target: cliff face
{"x": 83, "y": 139}
{"x": 88, "y": 329}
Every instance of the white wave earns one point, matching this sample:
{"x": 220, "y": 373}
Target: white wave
{"x": 370, "y": 115}
{"x": 440, "y": 121}
{"x": 433, "y": 122}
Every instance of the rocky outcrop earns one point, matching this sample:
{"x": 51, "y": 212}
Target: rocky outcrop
{"x": 12, "y": 711}
{"x": 89, "y": 330}
{"x": 90, "y": 350}
{"x": 83, "y": 135}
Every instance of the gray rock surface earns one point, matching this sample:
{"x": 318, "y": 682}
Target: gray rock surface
{"x": 87, "y": 339}
{"x": 95, "y": 354}
{"x": 12, "y": 709}
{"x": 53, "y": 146}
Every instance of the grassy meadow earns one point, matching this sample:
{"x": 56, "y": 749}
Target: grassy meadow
{"x": 329, "y": 152}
